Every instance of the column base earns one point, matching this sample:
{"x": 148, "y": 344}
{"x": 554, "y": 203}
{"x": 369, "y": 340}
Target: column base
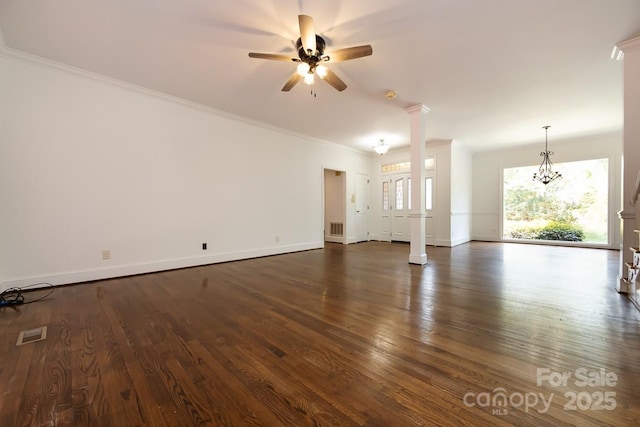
{"x": 418, "y": 259}
{"x": 622, "y": 286}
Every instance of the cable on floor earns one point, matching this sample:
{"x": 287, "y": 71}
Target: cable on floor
{"x": 15, "y": 296}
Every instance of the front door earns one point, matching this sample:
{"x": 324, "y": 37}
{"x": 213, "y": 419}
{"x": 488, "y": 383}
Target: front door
{"x": 396, "y": 206}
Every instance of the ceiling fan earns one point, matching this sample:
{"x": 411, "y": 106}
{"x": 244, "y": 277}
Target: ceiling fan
{"x": 311, "y": 57}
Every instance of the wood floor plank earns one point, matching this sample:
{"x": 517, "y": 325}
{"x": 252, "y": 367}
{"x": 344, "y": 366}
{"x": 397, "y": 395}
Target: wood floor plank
{"x": 345, "y": 335}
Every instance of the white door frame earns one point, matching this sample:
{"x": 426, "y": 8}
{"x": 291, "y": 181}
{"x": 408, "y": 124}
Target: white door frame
{"x": 342, "y": 217}
{"x": 362, "y": 207}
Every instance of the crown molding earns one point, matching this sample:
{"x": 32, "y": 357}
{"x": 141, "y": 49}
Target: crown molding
{"x": 629, "y": 45}
{"x": 39, "y": 61}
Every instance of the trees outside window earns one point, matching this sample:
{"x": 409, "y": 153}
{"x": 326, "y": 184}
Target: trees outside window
{"x": 574, "y": 208}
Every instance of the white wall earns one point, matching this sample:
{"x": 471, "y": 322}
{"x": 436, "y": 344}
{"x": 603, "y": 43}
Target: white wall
{"x": 441, "y": 152}
{"x": 88, "y": 164}
{"x": 461, "y": 195}
{"x": 487, "y": 178}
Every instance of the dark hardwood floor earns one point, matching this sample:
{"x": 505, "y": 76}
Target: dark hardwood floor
{"x": 346, "y": 335}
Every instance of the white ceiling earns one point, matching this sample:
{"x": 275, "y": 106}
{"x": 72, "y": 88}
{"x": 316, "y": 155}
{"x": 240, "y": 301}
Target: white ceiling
{"x": 492, "y": 72}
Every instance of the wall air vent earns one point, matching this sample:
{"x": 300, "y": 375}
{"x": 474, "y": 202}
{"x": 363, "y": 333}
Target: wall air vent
{"x": 336, "y": 229}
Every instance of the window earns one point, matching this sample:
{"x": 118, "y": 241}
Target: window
{"x": 385, "y": 196}
{"x": 429, "y": 163}
{"x": 400, "y": 193}
{"x": 428, "y": 193}
{"x": 409, "y": 193}
{"x": 396, "y": 167}
{"x": 574, "y": 208}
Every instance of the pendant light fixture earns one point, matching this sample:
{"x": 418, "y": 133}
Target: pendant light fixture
{"x": 381, "y": 148}
{"x": 545, "y": 174}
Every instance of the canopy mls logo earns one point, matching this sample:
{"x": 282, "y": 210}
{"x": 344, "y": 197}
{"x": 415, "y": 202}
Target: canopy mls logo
{"x": 500, "y": 401}
{"x": 590, "y": 394}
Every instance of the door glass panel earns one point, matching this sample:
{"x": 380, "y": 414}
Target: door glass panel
{"x": 429, "y": 163}
{"x": 385, "y": 196}
{"x": 428, "y": 193}
{"x": 409, "y": 193}
{"x": 396, "y": 167}
{"x": 400, "y": 193}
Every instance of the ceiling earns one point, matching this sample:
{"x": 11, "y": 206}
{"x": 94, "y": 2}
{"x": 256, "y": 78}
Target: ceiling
{"x": 492, "y": 72}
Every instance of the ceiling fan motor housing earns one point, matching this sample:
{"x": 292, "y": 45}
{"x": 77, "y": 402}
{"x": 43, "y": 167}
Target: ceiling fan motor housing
{"x": 316, "y": 56}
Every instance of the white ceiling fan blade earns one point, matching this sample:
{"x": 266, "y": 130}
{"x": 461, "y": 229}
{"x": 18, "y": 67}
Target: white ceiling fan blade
{"x": 307, "y": 33}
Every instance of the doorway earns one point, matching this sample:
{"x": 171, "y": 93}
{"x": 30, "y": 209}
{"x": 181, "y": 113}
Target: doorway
{"x": 334, "y": 206}
{"x": 396, "y": 206}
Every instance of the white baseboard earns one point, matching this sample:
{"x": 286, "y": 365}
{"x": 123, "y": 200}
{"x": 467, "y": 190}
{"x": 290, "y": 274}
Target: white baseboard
{"x": 460, "y": 241}
{"x": 334, "y": 239}
{"x": 69, "y": 277}
{"x": 485, "y": 238}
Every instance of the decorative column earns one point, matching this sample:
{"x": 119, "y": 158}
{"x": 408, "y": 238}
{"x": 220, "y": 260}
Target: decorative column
{"x": 418, "y": 253}
{"x": 631, "y": 158}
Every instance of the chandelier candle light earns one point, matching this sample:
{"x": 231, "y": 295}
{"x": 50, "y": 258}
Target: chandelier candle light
{"x": 545, "y": 175}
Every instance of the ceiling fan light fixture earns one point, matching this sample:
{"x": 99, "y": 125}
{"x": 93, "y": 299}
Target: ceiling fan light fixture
{"x": 303, "y": 69}
{"x": 308, "y": 79}
{"x": 321, "y": 71}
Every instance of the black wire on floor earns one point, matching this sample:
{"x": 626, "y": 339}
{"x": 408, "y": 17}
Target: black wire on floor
{"x": 15, "y": 296}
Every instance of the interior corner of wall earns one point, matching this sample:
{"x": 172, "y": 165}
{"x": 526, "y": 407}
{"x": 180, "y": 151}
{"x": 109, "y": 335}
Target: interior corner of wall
{"x": 3, "y": 43}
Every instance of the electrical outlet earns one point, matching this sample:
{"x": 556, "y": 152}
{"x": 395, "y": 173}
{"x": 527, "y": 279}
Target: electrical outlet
{"x": 204, "y": 246}
{"x": 106, "y": 254}
{"x": 277, "y": 239}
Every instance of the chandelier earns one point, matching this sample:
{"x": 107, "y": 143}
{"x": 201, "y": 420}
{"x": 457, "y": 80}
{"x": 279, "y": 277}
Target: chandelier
{"x": 381, "y": 148}
{"x": 545, "y": 175}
